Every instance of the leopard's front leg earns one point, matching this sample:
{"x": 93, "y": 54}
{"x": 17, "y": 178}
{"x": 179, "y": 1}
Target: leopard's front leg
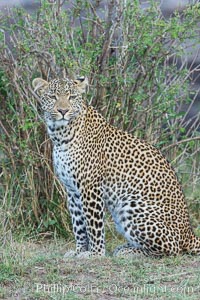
{"x": 78, "y": 225}
{"x": 93, "y": 207}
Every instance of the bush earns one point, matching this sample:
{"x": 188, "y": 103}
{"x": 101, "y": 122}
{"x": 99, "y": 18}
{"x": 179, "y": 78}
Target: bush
{"x": 139, "y": 80}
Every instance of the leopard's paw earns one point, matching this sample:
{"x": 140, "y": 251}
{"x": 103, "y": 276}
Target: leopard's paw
{"x": 85, "y": 254}
{"x": 89, "y": 254}
{"x": 70, "y": 254}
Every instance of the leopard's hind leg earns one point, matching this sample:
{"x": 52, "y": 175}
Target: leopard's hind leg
{"x": 128, "y": 250}
{"x": 150, "y": 243}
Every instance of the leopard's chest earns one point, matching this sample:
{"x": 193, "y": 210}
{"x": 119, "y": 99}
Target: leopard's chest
{"x": 65, "y": 168}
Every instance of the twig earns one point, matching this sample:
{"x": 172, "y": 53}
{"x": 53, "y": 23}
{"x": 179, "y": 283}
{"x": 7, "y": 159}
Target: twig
{"x": 196, "y": 138}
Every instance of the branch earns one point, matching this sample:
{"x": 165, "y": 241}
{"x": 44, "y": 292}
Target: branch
{"x": 181, "y": 142}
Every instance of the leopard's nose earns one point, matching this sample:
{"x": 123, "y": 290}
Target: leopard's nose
{"x": 62, "y": 111}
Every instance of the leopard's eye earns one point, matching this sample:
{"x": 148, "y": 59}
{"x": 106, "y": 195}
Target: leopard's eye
{"x": 72, "y": 97}
{"x": 53, "y": 97}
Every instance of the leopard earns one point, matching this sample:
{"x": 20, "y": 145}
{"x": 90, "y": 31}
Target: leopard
{"x": 104, "y": 169}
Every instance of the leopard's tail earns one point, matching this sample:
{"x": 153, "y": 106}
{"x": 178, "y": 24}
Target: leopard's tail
{"x": 194, "y": 245}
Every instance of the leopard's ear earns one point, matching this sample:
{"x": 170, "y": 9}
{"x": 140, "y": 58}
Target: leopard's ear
{"x": 39, "y": 85}
{"x": 81, "y": 83}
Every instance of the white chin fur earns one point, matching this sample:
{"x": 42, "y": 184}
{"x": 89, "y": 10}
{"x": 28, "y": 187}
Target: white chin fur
{"x": 58, "y": 123}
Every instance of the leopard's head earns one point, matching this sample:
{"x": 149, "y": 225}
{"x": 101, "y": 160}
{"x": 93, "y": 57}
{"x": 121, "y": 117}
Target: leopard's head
{"x": 61, "y": 99}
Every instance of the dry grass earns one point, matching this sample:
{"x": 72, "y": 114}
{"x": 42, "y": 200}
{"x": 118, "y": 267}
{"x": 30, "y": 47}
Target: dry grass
{"x": 33, "y": 270}
{"x": 135, "y": 82}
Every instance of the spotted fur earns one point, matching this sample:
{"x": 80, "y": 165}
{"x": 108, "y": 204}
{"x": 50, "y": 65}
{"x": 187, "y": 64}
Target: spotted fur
{"x": 101, "y": 166}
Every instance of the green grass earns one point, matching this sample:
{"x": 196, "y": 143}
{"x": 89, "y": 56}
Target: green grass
{"x": 37, "y": 270}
